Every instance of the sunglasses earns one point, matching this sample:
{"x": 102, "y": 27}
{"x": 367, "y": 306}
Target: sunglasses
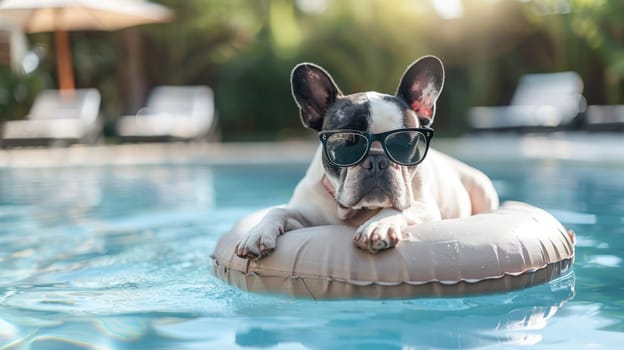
{"x": 345, "y": 148}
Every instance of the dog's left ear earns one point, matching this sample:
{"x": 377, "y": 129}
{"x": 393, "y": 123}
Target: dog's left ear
{"x": 421, "y": 85}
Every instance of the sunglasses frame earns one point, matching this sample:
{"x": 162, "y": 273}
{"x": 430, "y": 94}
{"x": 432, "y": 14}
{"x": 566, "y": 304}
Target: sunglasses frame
{"x": 370, "y": 138}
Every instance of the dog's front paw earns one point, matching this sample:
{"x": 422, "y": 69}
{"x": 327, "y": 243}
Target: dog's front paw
{"x": 260, "y": 241}
{"x": 375, "y": 236}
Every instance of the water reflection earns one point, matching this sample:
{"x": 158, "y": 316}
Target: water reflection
{"x": 509, "y": 318}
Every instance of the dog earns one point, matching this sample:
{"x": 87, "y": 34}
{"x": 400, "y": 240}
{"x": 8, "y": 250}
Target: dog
{"x": 373, "y": 169}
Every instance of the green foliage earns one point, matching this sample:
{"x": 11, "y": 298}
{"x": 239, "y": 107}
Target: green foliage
{"x": 17, "y": 92}
{"x": 588, "y": 37}
{"x": 205, "y": 35}
{"x": 246, "y": 49}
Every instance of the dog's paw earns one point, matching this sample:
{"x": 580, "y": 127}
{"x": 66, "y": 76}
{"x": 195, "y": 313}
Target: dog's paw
{"x": 260, "y": 241}
{"x": 375, "y": 236}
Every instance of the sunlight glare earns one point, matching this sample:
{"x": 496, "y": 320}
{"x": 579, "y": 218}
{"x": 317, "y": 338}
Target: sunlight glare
{"x": 448, "y": 9}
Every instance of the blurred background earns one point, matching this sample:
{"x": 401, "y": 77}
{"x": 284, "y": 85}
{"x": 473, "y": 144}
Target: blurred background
{"x": 244, "y": 50}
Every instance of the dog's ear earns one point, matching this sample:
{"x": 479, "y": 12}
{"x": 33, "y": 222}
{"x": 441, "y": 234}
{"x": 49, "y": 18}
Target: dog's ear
{"x": 314, "y": 91}
{"x": 421, "y": 85}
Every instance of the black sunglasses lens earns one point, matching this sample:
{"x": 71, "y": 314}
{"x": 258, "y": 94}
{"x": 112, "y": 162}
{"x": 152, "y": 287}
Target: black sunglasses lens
{"x": 345, "y": 148}
{"x": 406, "y": 147}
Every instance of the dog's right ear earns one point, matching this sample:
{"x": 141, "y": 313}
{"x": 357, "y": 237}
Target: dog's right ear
{"x": 314, "y": 91}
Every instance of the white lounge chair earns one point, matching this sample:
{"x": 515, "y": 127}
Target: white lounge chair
{"x": 57, "y": 117}
{"x": 171, "y": 112}
{"x": 605, "y": 118}
{"x": 541, "y": 101}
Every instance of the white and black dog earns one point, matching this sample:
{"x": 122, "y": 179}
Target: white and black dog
{"x": 370, "y": 170}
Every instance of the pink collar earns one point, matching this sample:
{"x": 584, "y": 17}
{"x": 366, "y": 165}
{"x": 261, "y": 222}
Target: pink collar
{"x": 350, "y": 216}
{"x": 328, "y": 187}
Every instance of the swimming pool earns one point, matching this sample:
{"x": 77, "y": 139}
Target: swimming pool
{"x": 118, "y": 257}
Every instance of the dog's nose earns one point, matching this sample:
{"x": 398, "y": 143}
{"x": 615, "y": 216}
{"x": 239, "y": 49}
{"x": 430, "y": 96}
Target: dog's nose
{"x": 375, "y": 162}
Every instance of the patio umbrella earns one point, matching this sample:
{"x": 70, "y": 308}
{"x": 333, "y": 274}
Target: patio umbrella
{"x": 62, "y": 16}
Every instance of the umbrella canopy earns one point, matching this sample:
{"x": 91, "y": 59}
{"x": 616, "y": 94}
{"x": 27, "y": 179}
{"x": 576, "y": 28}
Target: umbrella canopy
{"x": 61, "y": 16}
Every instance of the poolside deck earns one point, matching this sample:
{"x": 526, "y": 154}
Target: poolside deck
{"x": 574, "y": 147}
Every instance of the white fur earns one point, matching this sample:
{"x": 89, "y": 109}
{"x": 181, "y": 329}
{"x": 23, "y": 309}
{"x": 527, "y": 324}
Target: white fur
{"x": 385, "y": 115}
{"x": 442, "y": 187}
{"x": 438, "y": 188}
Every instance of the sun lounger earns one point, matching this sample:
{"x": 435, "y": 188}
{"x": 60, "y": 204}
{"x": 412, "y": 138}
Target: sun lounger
{"x": 605, "y": 118}
{"x": 57, "y": 117}
{"x": 547, "y": 101}
{"x": 171, "y": 112}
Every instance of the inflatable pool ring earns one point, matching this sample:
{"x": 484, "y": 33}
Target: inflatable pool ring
{"x": 515, "y": 246}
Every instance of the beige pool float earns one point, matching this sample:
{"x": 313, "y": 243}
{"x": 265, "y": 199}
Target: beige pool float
{"x": 515, "y": 246}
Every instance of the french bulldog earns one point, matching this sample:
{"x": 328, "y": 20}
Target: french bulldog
{"x": 373, "y": 169}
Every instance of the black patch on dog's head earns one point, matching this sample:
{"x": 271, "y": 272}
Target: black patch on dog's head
{"x": 349, "y": 112}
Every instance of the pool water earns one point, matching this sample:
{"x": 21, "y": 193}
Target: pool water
{"x": 119, "y": 258}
